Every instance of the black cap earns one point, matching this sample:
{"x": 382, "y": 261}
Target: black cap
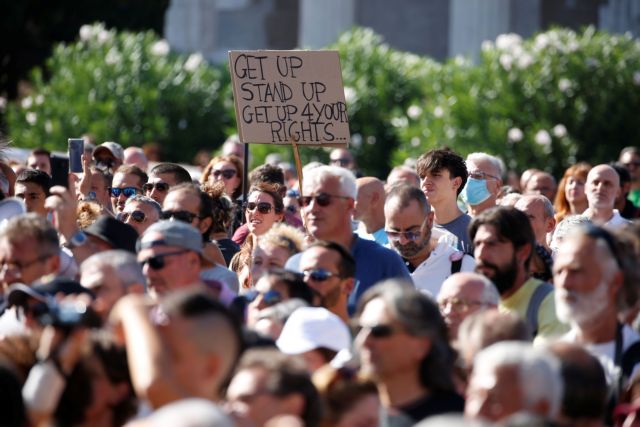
{"x": 19, "y": 293}
{"x": 116, "y": 233}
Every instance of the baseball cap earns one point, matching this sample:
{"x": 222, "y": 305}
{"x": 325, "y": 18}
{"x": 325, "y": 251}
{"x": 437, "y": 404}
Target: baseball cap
{"x": 309, "y": 328}
{"x": 113, "y": 148}
{"x": 18, "y": 293}
{"x": 174, "y": 233}
{"x": 116, "y": 233}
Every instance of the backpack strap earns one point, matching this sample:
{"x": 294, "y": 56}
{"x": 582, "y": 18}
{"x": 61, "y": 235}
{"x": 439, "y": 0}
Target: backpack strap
{"x": 456, "y": 265}
{"x": 539, "y": 294}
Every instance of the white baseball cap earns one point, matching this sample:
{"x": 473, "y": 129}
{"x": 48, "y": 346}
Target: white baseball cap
{"x": 309, "y": 328}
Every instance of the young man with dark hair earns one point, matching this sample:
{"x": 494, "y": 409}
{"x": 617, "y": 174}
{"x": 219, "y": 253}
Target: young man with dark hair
{"x": 127, "y": 182}
{"x": 40, "y": 159}
{"x": 443, "y": 175}
{"x": 32, "y": 186}
{"x": 503, "y": 246}
{"x": 162, "y": 177}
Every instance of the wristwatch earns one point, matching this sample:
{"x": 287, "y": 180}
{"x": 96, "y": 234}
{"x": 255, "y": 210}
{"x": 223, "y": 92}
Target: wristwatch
{"x": 78, "y": 239}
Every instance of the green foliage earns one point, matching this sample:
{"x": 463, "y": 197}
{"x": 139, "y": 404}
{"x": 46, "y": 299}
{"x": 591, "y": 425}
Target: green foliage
{"x": 545, "y": 102}
{"x": 125, "y": 87}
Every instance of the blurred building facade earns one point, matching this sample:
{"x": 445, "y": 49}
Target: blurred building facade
{"x": 437, "y": 28}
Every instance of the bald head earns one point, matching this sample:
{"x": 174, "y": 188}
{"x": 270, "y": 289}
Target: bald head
{"x": 540, "y": 212}
{"x": 403, "y": 174}
{"x": 135, "y": 156}
{"x": 370, "y": 203}
{"x": 602, "y": 187}
{"x": 541, "y": 183}
{"x": 463, "y": 294}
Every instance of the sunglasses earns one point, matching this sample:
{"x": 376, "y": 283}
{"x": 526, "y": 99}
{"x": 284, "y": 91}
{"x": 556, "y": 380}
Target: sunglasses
{"x": 379, "y": 331}
{"x": 457, "y": 305}
{"x": 263, "y": 207}
{"x": 157, "y": 262}
{"x": 322, "y": 199}
{"x": 160, "y": 186}
{"x": 136, "y": 216}
{"x": 184, "y": 216}
{"x": 127, "y": 191}
{"x": 395, "y": 236}
{"x": 318, "y": 275}
{"x": 226, "y": 173}
{"x": 341, "y": 162}
{"x": 269, "y": 298}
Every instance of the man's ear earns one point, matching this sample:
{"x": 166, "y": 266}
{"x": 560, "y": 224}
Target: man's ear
{"x": 205, "y": 224}
{"x": 524, "y": 252}
{"x": 348, "y": 285}
{"x": 456, "y": 183}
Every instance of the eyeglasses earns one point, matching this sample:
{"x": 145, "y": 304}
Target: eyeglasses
{"x": 269, "y": 298}
{"x": 482, "y": 175}
{"x": 379, "y": 330}
{"x": 291, "y": 209}
{"x": 457, "y": 305}
{"x": 263, "y": 207}
{"x": 226, "y": 173}
{"x": 184, "y": 216}
{"x": 157, "y": 262}
{"x": 318, "y": 275}
{"x": 19, "y": 266}
{"x": 127, "y": 191}
{"x": 322, "y": 199}
{"x": 160, "y": 186}
{"x": 136, "y": 216}
{"x": 411, "y": 236}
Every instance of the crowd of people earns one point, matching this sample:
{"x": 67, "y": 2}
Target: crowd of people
{"x": 451, "y": 293}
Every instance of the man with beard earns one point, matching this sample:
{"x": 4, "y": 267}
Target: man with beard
{"x": 409, "y": 221}
{"x": 329, "y": 269}
{"x": 591, "y": 289}
{"x": 503, "y": 240}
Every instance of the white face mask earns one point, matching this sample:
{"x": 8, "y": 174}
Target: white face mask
{"x": 581, "y": 308}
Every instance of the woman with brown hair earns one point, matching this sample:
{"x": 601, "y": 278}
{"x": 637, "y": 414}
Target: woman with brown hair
{"x": 571, "y": 198}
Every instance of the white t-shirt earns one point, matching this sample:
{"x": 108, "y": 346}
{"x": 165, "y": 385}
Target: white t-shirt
{"x": 616, "y": 221}
{"x": 605, "y": 352}
{"x": 429, "y": 275}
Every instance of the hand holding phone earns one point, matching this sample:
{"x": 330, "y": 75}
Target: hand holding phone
{"x": 76, "y": 148}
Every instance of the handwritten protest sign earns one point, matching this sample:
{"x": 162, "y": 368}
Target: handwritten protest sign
{"x": 289, "y": 96}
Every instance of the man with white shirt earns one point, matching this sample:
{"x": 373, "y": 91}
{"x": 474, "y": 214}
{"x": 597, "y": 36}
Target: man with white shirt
{"x": 591, "y": 289}
{"x": 602, "y": 188}
{"x": 409, "y": 221}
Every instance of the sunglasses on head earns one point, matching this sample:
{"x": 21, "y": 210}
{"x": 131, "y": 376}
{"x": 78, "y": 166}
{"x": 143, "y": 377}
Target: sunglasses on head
{"x": 263, "y": 207}
{"x": 379, "y": 331}
{"x": 269, "y": 298}
{"x": 322, "y": 199}
{"x": 184, "y": 216}
{"x": 136, "y": 216}
{"x": 127, "y": 191}
{"x": 160, "y": 186}
{"x": 318, "y": 275}
{"x": 226, "y": 173}
{"x": 157, "y": 262}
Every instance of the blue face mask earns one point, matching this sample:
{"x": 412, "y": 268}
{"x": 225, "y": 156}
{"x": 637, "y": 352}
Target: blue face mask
{"x": 476, "y": 191}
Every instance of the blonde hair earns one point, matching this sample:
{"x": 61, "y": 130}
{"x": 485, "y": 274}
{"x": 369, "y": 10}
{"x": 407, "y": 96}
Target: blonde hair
{"x": 283, "y": 236}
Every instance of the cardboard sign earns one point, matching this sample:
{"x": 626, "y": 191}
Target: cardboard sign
{"x": 289, "y": 96}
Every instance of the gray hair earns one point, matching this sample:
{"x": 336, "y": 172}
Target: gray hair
{"x": 538, "y": 371}
{"x": 565, "y": 227}
{"x": 496, "y": 162}
{"x": 490, "y": 293}
{"x": 146, "y": 200}
{"x": 123, "y": 262}
{"x": 346, "y": 178}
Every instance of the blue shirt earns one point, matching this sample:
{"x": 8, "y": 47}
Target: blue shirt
{"x": 374, "y": 263}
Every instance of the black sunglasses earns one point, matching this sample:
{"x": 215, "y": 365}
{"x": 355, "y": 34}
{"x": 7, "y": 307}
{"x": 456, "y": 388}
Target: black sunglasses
{"x": 157, "y": 262}
{"x": 322, "y": 199}
{"x": 184, "y": 216}
{"x": 226, "y": 173}
{"x": 269, "y": 298}
{"x": 127, "y": 191}
{"x": 318, "y": 275}
{"x": 263, "y": 207}
{"x": 160, "y": 186}
{"x": 136, "y": 216}
{"x": 379, "y": 331}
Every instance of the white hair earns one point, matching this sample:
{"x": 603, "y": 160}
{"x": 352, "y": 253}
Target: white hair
{"x": 538, "y": 371}
{"x": 345, "y": 177}
{"x": 496, "y": 162}
{"x": 490, "y": 295}
{"x": 124, "y": 263}
{"x": 565, "y": 227}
